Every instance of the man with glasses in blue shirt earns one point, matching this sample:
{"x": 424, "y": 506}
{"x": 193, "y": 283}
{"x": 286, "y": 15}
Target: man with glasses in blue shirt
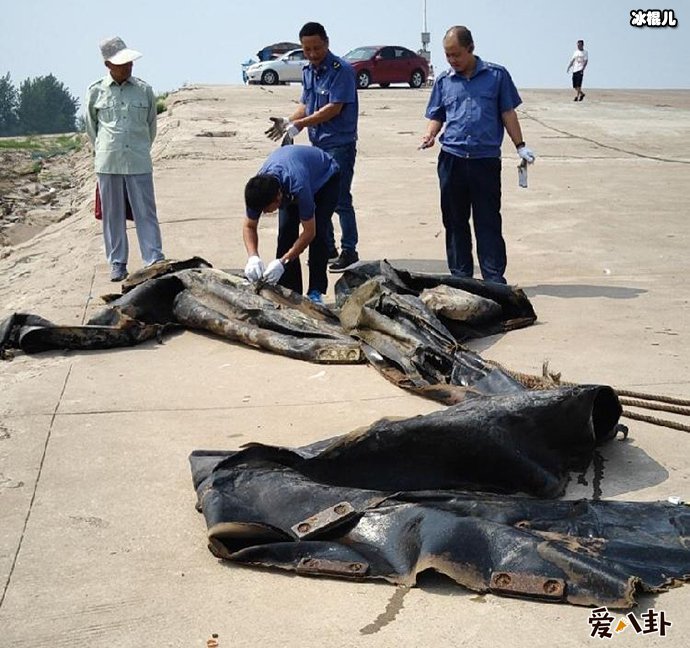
{"x": 475, "y": 100}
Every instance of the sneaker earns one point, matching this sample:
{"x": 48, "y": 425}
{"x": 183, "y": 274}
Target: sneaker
{"x": 333, "y": 255}
{"x": 315, "y": 296}
{"x": 582, "y": 96}
{"x": 118, "y": 273}
{"x": 344, "y": 261}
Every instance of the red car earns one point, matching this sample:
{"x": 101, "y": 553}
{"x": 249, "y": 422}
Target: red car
{"x": 386, "y": 64}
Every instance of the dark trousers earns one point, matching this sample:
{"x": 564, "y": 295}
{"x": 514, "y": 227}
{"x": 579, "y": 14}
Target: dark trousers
{"x": 472, "y": 186}
{"x": 345, "y": 157}
{"x": 325, "y": 201}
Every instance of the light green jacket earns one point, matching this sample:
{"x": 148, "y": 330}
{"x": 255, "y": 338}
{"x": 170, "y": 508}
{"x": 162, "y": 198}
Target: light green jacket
{"x": 121, "y": 123}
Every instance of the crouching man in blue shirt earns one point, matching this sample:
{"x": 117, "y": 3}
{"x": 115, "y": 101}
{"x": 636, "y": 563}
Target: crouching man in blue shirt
{"x": 303, "y": 183}
{"x": 476, "y": 101}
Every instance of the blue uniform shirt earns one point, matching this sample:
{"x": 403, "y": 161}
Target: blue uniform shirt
{"x": 471, "y": 109}
{"x": 333, "y": 81}
{"x": 301, "y": 171}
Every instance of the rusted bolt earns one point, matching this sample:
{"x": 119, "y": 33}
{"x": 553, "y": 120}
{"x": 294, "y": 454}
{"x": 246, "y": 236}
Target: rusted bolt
{"x": 304, "y": 527}
{"x": 355, "y": 566}
{"x": 340, "y": 509}
{"x": 503, "y": 580}
{"x": 552, "y": 587}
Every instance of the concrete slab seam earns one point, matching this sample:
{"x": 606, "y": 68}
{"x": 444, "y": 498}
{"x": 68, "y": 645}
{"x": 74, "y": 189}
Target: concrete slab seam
{"x": 33, "y": 494}
{"x": 88, "y": 298}
{"x": 606, "y": 146}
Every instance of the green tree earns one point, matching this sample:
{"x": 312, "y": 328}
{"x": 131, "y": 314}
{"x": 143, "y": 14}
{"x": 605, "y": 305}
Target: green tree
{"x": 8, "y": 106}
{"x": 45, "y": 106}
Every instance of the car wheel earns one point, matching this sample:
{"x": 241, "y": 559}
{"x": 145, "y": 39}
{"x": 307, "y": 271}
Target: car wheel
{"x": 269, "y": 77}
{"x": 384, "y": 85}
{"x": 417, "y": 79}
{"x": 363, "y": 79}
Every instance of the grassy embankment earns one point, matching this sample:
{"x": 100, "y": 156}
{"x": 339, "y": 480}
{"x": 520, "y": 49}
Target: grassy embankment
{"x": 42, "y": 147}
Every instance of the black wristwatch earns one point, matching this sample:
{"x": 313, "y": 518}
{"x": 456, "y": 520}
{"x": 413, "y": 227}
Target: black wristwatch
{"x": 519, "y": 145}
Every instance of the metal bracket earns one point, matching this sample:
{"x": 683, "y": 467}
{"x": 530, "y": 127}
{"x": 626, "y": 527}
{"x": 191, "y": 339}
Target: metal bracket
{"x": 332, "y": 567}
{"x": 324, "y": 520}
{"x": 339, "y": 354}
{"x": 517, "y": 584}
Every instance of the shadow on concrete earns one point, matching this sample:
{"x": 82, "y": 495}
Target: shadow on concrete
{"x": 433, "y": 582}
{"x": 432, "y": 266}
{"x": 565, "y": 291}
{"x": 621, "y": 468}
{"x": 583, "y": 291}
{"x": 479, "y": 345}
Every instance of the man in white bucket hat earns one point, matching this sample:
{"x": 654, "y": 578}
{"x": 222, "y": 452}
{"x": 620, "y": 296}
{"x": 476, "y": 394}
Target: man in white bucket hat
{"x": 121, "y": 123}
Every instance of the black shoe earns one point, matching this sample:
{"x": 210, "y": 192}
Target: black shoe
{"x": 118, "y": 273}
{"x": 333, "y": 255}
{"x": 344, "y": 261}
{"x": 576, "y": 98}
{"x": 582, "y": 96}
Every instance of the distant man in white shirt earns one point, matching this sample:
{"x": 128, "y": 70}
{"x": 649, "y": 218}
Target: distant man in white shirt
{"x": 578, "y": 63}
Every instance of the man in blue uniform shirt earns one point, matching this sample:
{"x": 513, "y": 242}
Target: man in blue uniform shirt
{"x": 476, "y": 101}
{"x": 303, "y": 183}
{"x": 328, "y": 109}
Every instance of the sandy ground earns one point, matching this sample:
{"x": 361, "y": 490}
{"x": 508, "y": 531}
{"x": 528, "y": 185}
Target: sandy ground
{"x": 40, "y": 186}
{"x": 100, "y": 543}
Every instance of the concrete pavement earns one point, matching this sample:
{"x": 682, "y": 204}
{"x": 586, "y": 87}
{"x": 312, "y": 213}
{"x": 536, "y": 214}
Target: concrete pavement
{"x": 100, "y": 544}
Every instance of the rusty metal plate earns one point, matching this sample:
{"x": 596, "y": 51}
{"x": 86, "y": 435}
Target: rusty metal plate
{"x": 339, "y": 355}
{"x": 332, "y": 567}
{"x": 324, "y": 520}
{"x": 517, "y": 584}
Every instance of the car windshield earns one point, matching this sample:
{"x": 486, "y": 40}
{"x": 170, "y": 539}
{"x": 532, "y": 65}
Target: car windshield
{"x": 360, "y": 54}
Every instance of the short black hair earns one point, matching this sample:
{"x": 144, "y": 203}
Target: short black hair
{"x": 261, "y": 191}
{"x": 313, "y": 29}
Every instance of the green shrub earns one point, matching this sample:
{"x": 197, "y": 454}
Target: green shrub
{"x": 160, "y": 103}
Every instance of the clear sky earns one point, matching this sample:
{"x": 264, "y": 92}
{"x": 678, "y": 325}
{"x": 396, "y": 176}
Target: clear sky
{"x": 205, "y": 41}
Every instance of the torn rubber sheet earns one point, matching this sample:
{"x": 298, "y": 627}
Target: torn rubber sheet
{"x": 467, "y": 308}
{"x": 178, "y": 294}
{"x": 193, "y": 295}
{"x": 410, "y": 326}
{"x": 405, "y": 496}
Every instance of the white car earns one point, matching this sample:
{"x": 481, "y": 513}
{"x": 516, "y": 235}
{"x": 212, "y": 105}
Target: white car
{"x": 281, "y": 70}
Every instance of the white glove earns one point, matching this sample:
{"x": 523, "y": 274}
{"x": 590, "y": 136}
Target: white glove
{"x": 526, "y": 154}
{"x": 291, "y": 130}
{"x": 254, "y": 268}
{"x": 274, "y": 271}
